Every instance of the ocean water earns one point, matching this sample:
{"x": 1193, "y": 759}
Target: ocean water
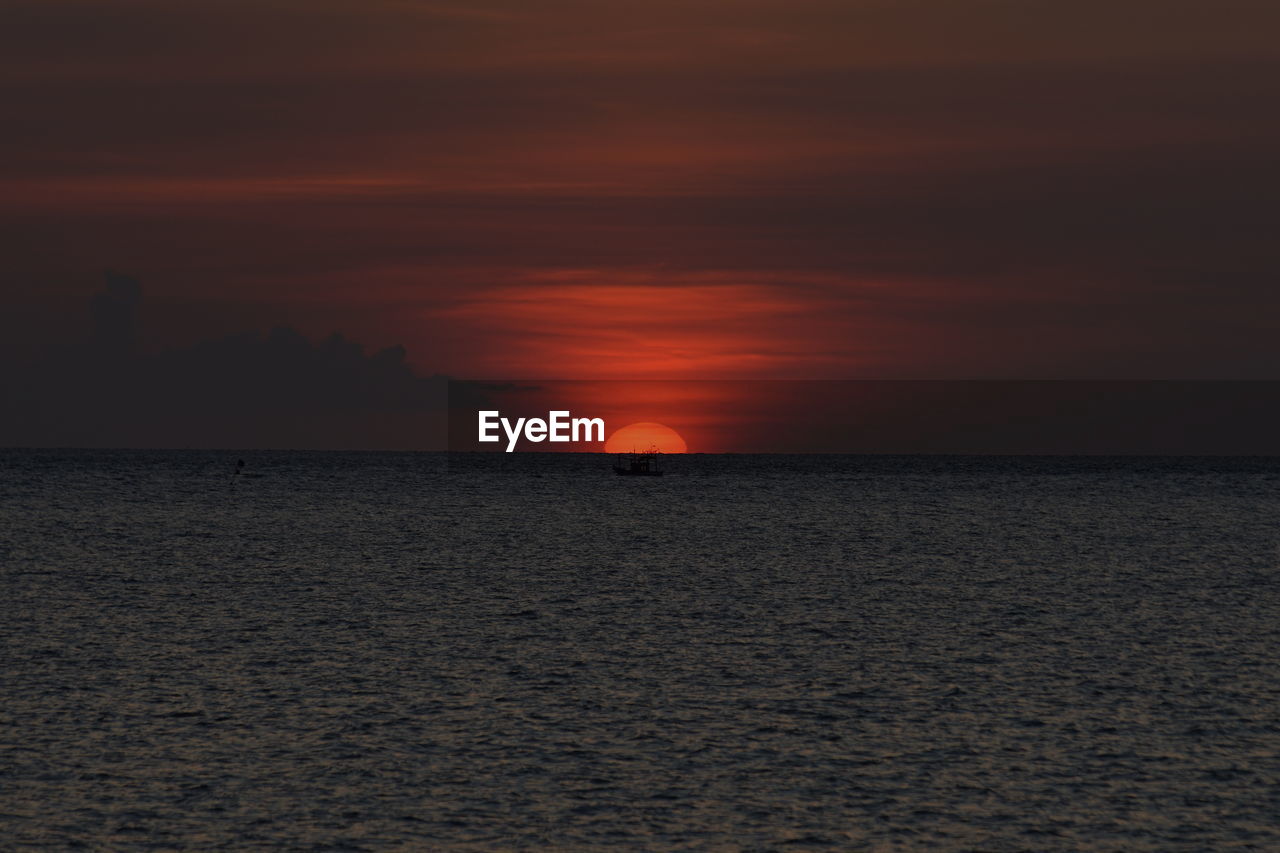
{"x": 402, "y": 651}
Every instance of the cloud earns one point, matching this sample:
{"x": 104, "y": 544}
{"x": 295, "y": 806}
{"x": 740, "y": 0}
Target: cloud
{"x": 243, "y": 390}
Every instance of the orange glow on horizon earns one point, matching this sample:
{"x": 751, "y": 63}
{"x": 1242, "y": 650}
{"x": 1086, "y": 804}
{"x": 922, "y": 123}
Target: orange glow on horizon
{"x": 644, "y": 436}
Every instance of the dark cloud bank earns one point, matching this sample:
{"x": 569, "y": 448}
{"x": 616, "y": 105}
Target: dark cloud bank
{"x": 278, "y": 390}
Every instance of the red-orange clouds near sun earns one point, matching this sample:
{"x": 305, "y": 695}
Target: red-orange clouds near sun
{"x": 656, "y": 324}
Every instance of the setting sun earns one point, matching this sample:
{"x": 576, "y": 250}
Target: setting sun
{"x": 645, "y": 436}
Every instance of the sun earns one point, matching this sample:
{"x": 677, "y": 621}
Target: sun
{"x": 645, "y": 436}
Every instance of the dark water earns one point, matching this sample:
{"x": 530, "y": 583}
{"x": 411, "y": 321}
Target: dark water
{"x": 371, "y": 651}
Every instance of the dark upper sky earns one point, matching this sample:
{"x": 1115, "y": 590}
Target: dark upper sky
{"x": 683, "y": 189}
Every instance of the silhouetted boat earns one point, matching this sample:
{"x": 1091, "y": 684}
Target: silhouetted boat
{"x": 647, "y": 464}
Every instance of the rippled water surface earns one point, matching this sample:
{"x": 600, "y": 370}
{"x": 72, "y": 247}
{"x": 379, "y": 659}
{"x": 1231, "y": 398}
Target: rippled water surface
{"x": 375, "y": 651}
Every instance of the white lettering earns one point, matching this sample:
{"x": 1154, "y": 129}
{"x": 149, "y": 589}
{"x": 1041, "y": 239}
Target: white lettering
{"x": 512, "y": 434}
{"x": 560, "y": 426}
{"x": 559, "y": 421}
{"x": 487, "y": 423}
{"x": 587, "y": 424}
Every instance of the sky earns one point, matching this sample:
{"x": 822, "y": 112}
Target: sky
{"x": 212, "y": 196}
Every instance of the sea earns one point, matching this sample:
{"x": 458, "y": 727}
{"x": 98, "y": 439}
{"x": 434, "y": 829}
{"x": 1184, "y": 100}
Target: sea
{"x": 416, "y": 651}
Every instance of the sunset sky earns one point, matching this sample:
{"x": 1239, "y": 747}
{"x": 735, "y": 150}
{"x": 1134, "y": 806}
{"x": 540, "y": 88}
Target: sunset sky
{"x": 543, "y": 189}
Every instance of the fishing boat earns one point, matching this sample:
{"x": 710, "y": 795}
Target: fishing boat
{"x": 646, "y": 464}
